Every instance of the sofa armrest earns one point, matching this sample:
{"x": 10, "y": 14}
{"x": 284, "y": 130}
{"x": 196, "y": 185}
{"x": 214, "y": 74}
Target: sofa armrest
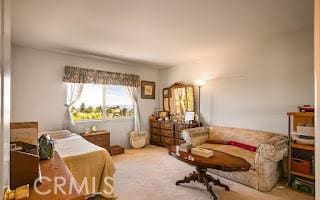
{"x": 196, "y": 136}
{"x": 274, "y": 149}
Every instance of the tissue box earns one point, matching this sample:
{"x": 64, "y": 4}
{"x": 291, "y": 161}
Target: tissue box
{"x": 202, "y": 152}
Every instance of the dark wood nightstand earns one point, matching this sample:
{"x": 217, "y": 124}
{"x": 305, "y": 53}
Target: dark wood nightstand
{"x": 100, "y": 138}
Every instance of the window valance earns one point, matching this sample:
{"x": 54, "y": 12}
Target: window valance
{"x": 83, "y": 75}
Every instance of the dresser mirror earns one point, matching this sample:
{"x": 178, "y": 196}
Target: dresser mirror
{"x": 178, "y": 99}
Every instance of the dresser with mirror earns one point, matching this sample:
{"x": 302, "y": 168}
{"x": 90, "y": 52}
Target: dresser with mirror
{"x": 178, "y": 102}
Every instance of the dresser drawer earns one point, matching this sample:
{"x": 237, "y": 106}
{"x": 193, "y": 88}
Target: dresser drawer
{"x": 178, "y": 135}
{"x": 155, "y": 124}
{"x": 180, "y": 127}
{"x": 155, "y": 131}
{"x": 167, "y": 140}
{"x": 168, "y": 126}
{"x": 167, "y": 133}
{"x": 155, "y": 139}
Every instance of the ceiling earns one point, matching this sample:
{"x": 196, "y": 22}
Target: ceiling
{"x": 158, "y": 32}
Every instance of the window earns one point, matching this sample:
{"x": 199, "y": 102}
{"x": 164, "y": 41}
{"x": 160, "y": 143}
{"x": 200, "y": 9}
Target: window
{"x": 99, "y": 102}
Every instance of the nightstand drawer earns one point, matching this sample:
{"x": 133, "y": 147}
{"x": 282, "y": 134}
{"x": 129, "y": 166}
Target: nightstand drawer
{"x": 94, "y": 138}
{"x": 99, "y": 138}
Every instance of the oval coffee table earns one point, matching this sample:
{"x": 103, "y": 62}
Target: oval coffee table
{"x": 219, "y": 160}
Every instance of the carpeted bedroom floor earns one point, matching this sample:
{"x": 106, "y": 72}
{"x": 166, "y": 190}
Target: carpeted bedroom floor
{"x": 150, "y": 174}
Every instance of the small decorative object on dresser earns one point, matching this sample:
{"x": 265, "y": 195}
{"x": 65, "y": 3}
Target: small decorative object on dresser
{"x": 162, "y": 114}
{"x": 100, "y": 138}
{"x": 94, "y": 128}
{"x": 189, "y": 117}
{"x": 148, "y": 90}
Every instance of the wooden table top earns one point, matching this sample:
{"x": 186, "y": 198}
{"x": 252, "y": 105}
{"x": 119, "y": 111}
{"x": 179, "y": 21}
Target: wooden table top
{"x": 219, "y": 160}
{"x": 52, "y": 169}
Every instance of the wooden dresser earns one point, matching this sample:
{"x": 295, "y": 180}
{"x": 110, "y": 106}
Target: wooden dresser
{"x": 100, "y": 138}
{"x": 164, "y": 133}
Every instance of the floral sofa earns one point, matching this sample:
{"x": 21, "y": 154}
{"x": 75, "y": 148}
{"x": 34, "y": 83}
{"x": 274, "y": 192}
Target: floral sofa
{"x": 264, "y": 153}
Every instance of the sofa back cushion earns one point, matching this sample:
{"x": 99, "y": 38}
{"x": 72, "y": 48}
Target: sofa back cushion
{"x": 244, "y": 136}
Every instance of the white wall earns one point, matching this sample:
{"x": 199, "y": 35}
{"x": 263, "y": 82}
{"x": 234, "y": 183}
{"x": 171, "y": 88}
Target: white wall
{"x": 38, "y": 91}
{"x": 253, "y": 86}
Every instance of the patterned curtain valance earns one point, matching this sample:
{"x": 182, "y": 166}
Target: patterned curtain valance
{"x": 82, "y": 75}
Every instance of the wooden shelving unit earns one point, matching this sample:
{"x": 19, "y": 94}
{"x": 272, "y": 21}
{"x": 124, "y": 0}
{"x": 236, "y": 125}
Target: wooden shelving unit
{"x": 295, "y": 149}
{"x": 302, "y": 146}
{"x": 303, "y": 175}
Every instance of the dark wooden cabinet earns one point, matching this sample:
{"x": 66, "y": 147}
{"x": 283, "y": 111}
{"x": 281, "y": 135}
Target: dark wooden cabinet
{"x": 100, "y": 138}
{"x": 165, "y": 133}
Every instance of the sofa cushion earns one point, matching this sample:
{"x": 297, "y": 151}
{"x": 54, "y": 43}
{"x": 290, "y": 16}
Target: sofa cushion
{"x": 249, "y": 156}
{"x": 245, "y": 136}
{"x": 243, "y": 146}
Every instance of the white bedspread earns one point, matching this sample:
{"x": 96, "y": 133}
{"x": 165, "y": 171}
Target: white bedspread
{"x": 88, "y": 162}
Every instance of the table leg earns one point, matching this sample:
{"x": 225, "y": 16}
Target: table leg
{"x": 192, "y": 177}
{"x": 206, "y": 182}
{"x": 201, "y": 176}
{"x": 217, "y": 182}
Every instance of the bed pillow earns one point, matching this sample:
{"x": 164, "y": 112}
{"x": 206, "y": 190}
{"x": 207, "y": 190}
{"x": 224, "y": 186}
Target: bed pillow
{"x": 243, "y": 146}
{"x": 59, "y": 134}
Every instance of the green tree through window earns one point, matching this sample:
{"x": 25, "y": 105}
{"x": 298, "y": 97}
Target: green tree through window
{"x": 98, "y": 102}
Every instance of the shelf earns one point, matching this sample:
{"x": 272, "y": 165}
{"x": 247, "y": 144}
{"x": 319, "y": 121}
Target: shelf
{"x": 303, "y": 175}
{"x": 302, "y": 146}
{"x": 301, "y": 114}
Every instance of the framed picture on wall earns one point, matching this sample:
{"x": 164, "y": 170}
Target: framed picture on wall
{"x": 148, "y": 90}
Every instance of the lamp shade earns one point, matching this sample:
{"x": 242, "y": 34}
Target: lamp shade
{"x": 200, "y": 82}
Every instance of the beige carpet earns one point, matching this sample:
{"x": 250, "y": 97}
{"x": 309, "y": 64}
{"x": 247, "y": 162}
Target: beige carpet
{"x": 150, "y": 174}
